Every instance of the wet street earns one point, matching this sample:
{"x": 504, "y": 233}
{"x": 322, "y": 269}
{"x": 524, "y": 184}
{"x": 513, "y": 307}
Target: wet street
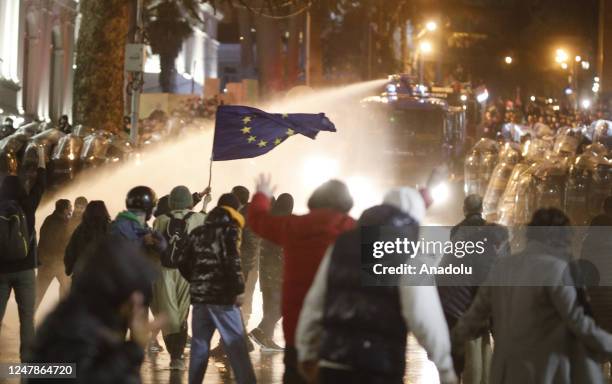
{"x": 268, "y": 365}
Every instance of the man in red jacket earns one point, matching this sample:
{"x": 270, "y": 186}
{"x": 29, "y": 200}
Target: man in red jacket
{"x": 304, "y": 240}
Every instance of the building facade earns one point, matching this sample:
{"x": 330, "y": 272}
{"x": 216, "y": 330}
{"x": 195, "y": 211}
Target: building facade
{"x": 196, "y": 62}
{"x": 37, "y": 41}
{"x": 37, "y": 57}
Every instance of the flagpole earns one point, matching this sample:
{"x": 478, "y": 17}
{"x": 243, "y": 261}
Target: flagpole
{"x": 210, "y": 171}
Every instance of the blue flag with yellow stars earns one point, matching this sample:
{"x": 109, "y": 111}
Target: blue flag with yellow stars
{"x": 243, "y": 132}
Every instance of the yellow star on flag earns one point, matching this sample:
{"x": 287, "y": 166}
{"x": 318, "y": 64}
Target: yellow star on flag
{"x": 262, "y": 143}
{"x": 246, "y": 130}
{"x": 247, "y": 119}
{"x": 277, "y": 141}
{"x": 251, "y": 139}
{"x": 290, "y": 132}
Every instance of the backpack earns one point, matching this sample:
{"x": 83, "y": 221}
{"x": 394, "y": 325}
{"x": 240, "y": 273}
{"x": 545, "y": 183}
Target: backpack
{"x": 176, "y": 235}
{"x": 14, "y": 244}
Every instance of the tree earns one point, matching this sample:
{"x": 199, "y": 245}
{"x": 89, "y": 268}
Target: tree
{"x": 98, "y": 79}
{"x": 167, "y": 29}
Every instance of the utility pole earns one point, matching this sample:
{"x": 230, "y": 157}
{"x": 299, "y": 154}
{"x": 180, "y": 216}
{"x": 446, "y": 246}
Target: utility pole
{"x": 135, "y": 56}
{"x": 307, "y": 55}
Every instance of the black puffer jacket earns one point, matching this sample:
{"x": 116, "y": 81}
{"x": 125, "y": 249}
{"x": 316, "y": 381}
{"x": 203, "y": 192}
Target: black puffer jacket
{"x": 212, "y": 258}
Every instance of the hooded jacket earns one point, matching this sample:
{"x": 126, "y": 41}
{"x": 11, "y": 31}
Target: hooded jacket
{"x": 12, "y": 189}
{"x": 87, "y": 329}
{"x": 304, "y": 240}
{"x": 348, "y": 325}
{"x": 127, "y": 226}
{"x": 212, "y": 258}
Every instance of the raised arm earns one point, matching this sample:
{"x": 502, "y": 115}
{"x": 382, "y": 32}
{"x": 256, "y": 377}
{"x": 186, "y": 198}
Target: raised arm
{"x": 273, "y": 228}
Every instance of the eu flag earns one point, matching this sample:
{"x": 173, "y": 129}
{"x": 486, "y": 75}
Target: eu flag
{"x": 243, "y": 132}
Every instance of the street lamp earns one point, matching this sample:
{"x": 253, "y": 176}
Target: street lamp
{"x": 561, "y": 56}
{"x": 508, "y": 60}
{"x": 425, "y": 48}
{"x": 586, "y": 104}
{"x": 578, "y": 59}
{"x": 564, "y": 65}
{"x": 431, "y": 26}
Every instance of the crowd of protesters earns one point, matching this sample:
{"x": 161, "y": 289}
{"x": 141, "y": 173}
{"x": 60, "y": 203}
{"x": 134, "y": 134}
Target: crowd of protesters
{"x": 502, "y": 114}
{"x": 112, "y": 272}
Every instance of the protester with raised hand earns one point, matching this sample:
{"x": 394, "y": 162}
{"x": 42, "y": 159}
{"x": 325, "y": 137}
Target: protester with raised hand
{"x": 304, "y": 240}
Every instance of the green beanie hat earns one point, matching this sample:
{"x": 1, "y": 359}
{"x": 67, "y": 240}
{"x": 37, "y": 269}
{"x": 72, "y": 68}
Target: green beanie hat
{"x": 180, "y": 198}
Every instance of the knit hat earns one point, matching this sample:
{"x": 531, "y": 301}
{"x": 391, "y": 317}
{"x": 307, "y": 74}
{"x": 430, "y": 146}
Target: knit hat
{"x": 180, "y": 198}
{"x": 408, "y": 200}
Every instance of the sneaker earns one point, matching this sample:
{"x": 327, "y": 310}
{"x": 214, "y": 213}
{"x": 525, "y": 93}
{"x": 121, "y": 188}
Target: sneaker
{"x": 258, "y": 336}
{"x": 177, "y": 365}
{"x": 154, "y": 347}
{"x": 266, "y": 343}
{"x": 271, "y": 346}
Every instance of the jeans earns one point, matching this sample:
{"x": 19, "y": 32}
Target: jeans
{"x": 291, "y": 374}
{"x": 271, "y": 311}
{"x": 24, "y": 285}
{"x": 44, "y": 277}
{"x": 228, "y": 321}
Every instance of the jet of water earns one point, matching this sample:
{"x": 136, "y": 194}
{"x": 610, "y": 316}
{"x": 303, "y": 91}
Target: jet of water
{"x": 297, "y": 166}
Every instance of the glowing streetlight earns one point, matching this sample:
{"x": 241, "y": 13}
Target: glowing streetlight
{"x": 464, "y": 98}
{"x": 508, "y": 60}
{"x": 585, "y": 65}
{"x": 425, "y": 47}
{"x": 586, "y": 103}
{"x": 578, "y": 59}
{"x": 483, "y": 96}
{"x": 595, "y": 88}
{"x": 532, "y": 98}
{"x": 564, "y": 65}
{"x": 561, "y": 56}
{"x": 431, "y": 26}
